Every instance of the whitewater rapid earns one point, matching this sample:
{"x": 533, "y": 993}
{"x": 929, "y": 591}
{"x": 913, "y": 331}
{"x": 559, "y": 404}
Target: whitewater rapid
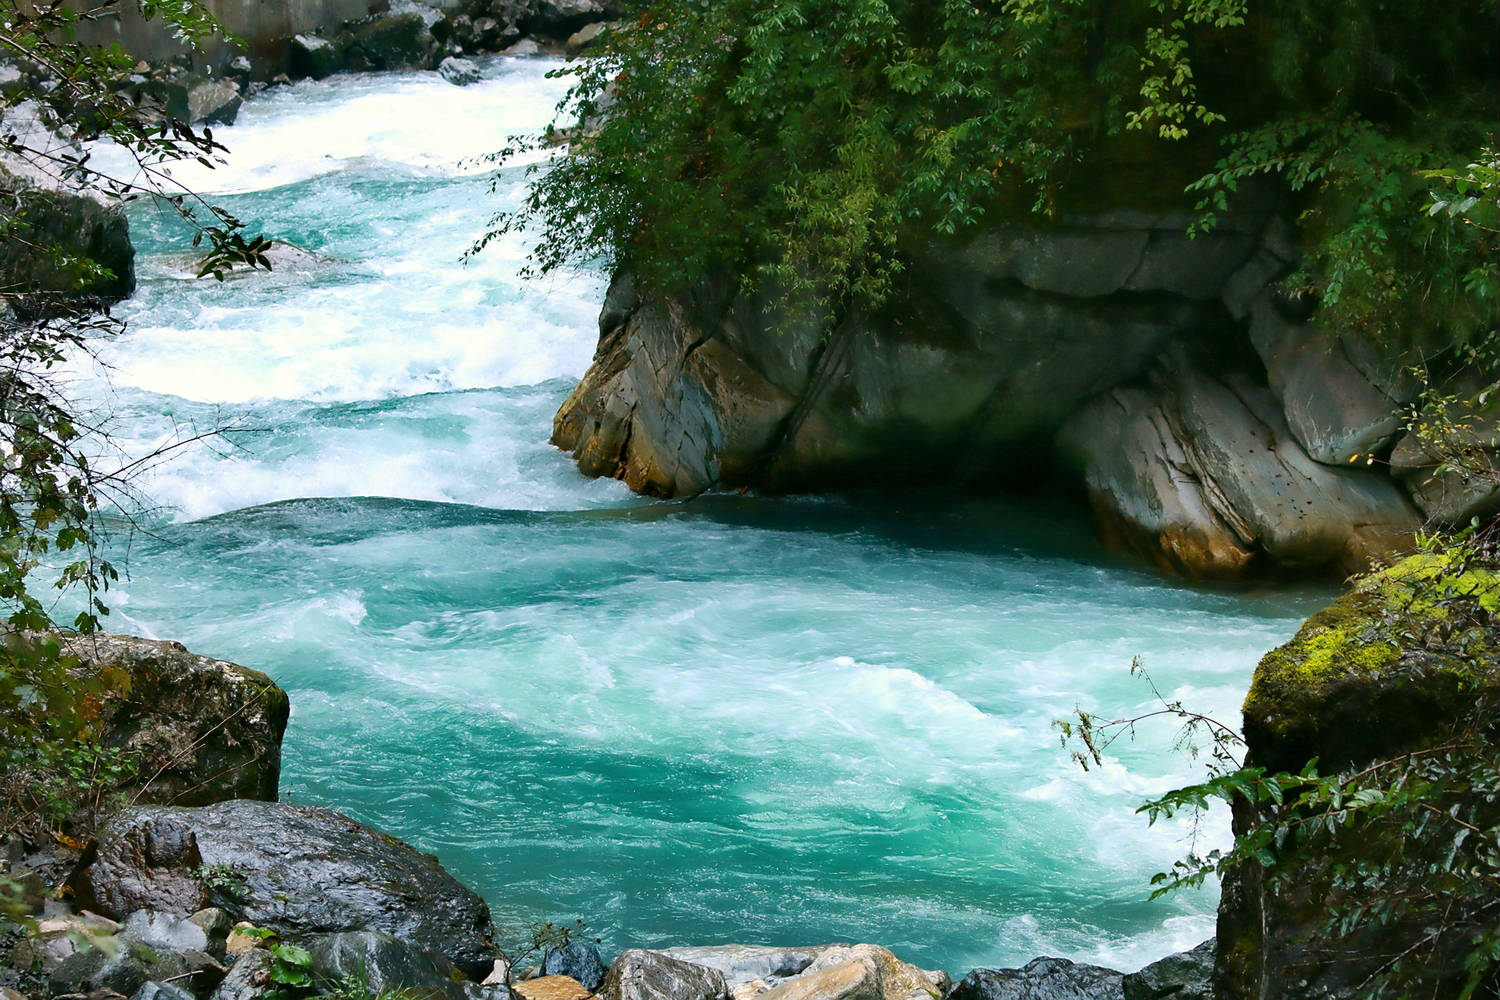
{"x": 738, "y": 719}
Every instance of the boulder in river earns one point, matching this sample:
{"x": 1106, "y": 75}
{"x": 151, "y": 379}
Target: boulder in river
{"x": 648, "y": 975}
{"x": 578, "y": 960}
{"x": 459, "y": 72}
{"x": 202, "y": 730}
{"x": 1042, "y": 979}
{"x": 1381, "y": 673}
{"x": 1187, "y": 975}
{"x": 296, "y": 870}
{"x": 386, "y": 42}
{"x": 312, "y": 55}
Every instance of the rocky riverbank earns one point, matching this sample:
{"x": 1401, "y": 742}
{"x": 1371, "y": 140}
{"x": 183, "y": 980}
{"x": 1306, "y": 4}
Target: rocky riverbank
{"x": 272, "y": 44}
{"x": 1216, "y": 431}
{"x": 244, "y": 897}
{"x": 238, "y": 898}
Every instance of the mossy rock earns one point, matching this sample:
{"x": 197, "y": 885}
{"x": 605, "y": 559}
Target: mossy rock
{"x": 1361, "y": 680}
{"x": 91, "y": 260}
{"x": 202, "y": 730}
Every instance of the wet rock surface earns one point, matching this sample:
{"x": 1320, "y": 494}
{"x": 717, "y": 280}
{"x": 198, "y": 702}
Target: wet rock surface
{"x": 580, "y": 961}
{"x": 648, "y": 975}
{"x": 298, "y": 871}
{"x": 204, "y": 730}
{"x": 1042, "y": 979}
{"x": 1187, "y": 975}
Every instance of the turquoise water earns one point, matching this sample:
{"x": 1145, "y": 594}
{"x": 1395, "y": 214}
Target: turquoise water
{"x": 736, "y": 719}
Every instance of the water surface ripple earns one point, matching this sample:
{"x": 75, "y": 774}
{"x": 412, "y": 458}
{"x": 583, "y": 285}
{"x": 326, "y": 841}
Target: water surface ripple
{"x": 732, "y": 719}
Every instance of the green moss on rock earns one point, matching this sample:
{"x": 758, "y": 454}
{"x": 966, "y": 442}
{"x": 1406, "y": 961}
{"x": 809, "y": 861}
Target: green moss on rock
{"x": 1359, "y": 679}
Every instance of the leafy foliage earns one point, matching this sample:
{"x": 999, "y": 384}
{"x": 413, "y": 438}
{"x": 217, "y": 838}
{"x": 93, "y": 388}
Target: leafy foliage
{"x": 1404, "y": 851}
{"x": 84, "y": 97}
{"x": 55, "y": 485}
{"x": 804, "y": 145}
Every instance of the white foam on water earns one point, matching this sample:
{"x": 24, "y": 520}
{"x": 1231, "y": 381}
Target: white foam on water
{"x": 310, "y": 128}
{"x": 704, "y": 721}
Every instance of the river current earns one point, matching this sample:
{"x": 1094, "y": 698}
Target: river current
{"x": 790, "y": 720}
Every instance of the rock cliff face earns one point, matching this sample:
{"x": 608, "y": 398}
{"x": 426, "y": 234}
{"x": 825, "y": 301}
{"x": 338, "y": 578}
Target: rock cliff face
{"x": 1383, "y": 672}
{"x": 1211, "y": 427}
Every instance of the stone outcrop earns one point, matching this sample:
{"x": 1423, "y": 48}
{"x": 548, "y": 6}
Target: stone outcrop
{"x": 299, "y": 871}
{"x": 1042, "y": 979}
{"x": 1202, "y": 475}
{"x": 1376, "y": 675}
{"x": 383, "y": 965}
{"x": 579, "y": 961}
{"x": 78, "y": 227}
{"x": 201, "y": 730}
{"x": 1188, "y": 975}
{"x": 1212, "y": 427}
{"x": 649, "y": 975}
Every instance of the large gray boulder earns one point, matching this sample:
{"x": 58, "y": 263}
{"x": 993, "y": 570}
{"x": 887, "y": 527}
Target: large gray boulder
{"x": 580, "y": 961}
{"x": 81, "y": 228}
{"x": 382, "y": 965}
{"x": 203, "y": 730}
{"x": 296, "y": 870}
{"x": 1042, "y": 979}
{"x": 1334, "y": 409}
{"x": 743, "y": 963}
{"x": 649, "y": 975}
{"x": 312, "y": 55}
{"x": 1201, "y": 474}
{"x": 1187, "y": 975}
{"x": 459, "y": 72}
{"x": 386, "y": 42}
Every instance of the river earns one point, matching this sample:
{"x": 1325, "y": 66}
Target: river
{"x": 778, "y": 720}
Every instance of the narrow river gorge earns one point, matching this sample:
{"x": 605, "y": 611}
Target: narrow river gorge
{"x": 768, "y": 720}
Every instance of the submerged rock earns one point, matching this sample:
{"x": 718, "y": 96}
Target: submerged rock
{"x": 295, "y": 870}
{"x": 1042, "y": 979}
{"x": 459, "y": 72}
